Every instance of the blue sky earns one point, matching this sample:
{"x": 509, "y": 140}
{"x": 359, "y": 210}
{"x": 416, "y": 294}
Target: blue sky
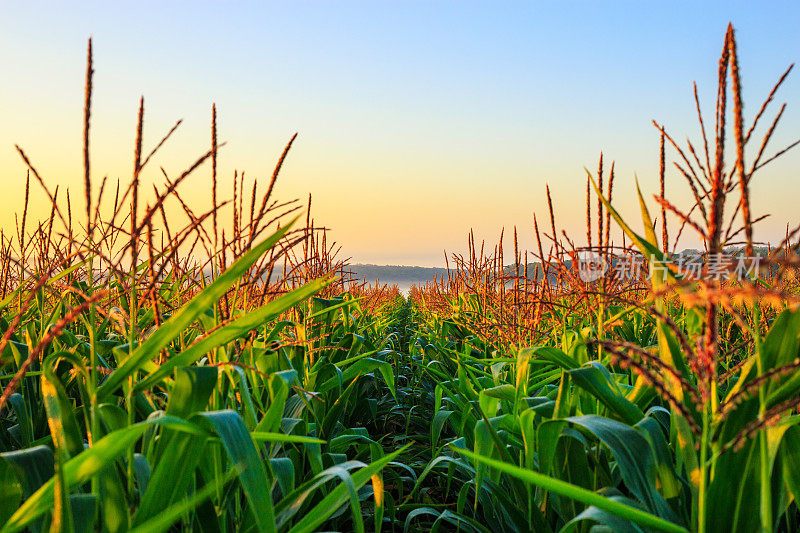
{"x": 417, "y": 120}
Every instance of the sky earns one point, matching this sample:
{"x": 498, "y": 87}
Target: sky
{"x": 417, "y": 121}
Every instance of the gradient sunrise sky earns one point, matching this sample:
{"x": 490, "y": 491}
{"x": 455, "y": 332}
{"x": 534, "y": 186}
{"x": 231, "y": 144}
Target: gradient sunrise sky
{"x": 417, "y": 120}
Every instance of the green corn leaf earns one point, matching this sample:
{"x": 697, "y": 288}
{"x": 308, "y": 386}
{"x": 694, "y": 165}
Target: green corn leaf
{"x": 229, "y": 332}
{"x": 338, "y": 496}
{"x": 596, "y": 379}
{"x": 252, "y": 474}
{"x": 164, "y": 520}
{"x": 81, "y": 468}
{"x": 279, "y": 384}
{"x": 580, "y": 494}
{"x": 10, "y": 491}
{"x": 179, "y": 321}
{"x": 263, "y": 436}
{"x": 635, "y": 457}
{"x": 32, "y": 467}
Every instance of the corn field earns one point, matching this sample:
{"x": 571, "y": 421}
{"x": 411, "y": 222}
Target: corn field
{"x": 224, "y": 372}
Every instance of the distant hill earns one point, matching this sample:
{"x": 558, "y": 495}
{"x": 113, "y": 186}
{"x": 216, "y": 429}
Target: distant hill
{"x": 405, "y": 276}
{"x": 396, "y": 274}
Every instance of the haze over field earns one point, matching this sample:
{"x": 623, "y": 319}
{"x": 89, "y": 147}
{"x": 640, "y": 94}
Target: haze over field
{"x": 417, "y": 121}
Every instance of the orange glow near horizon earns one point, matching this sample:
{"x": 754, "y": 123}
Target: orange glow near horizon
{"x": 408, "y": 138}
